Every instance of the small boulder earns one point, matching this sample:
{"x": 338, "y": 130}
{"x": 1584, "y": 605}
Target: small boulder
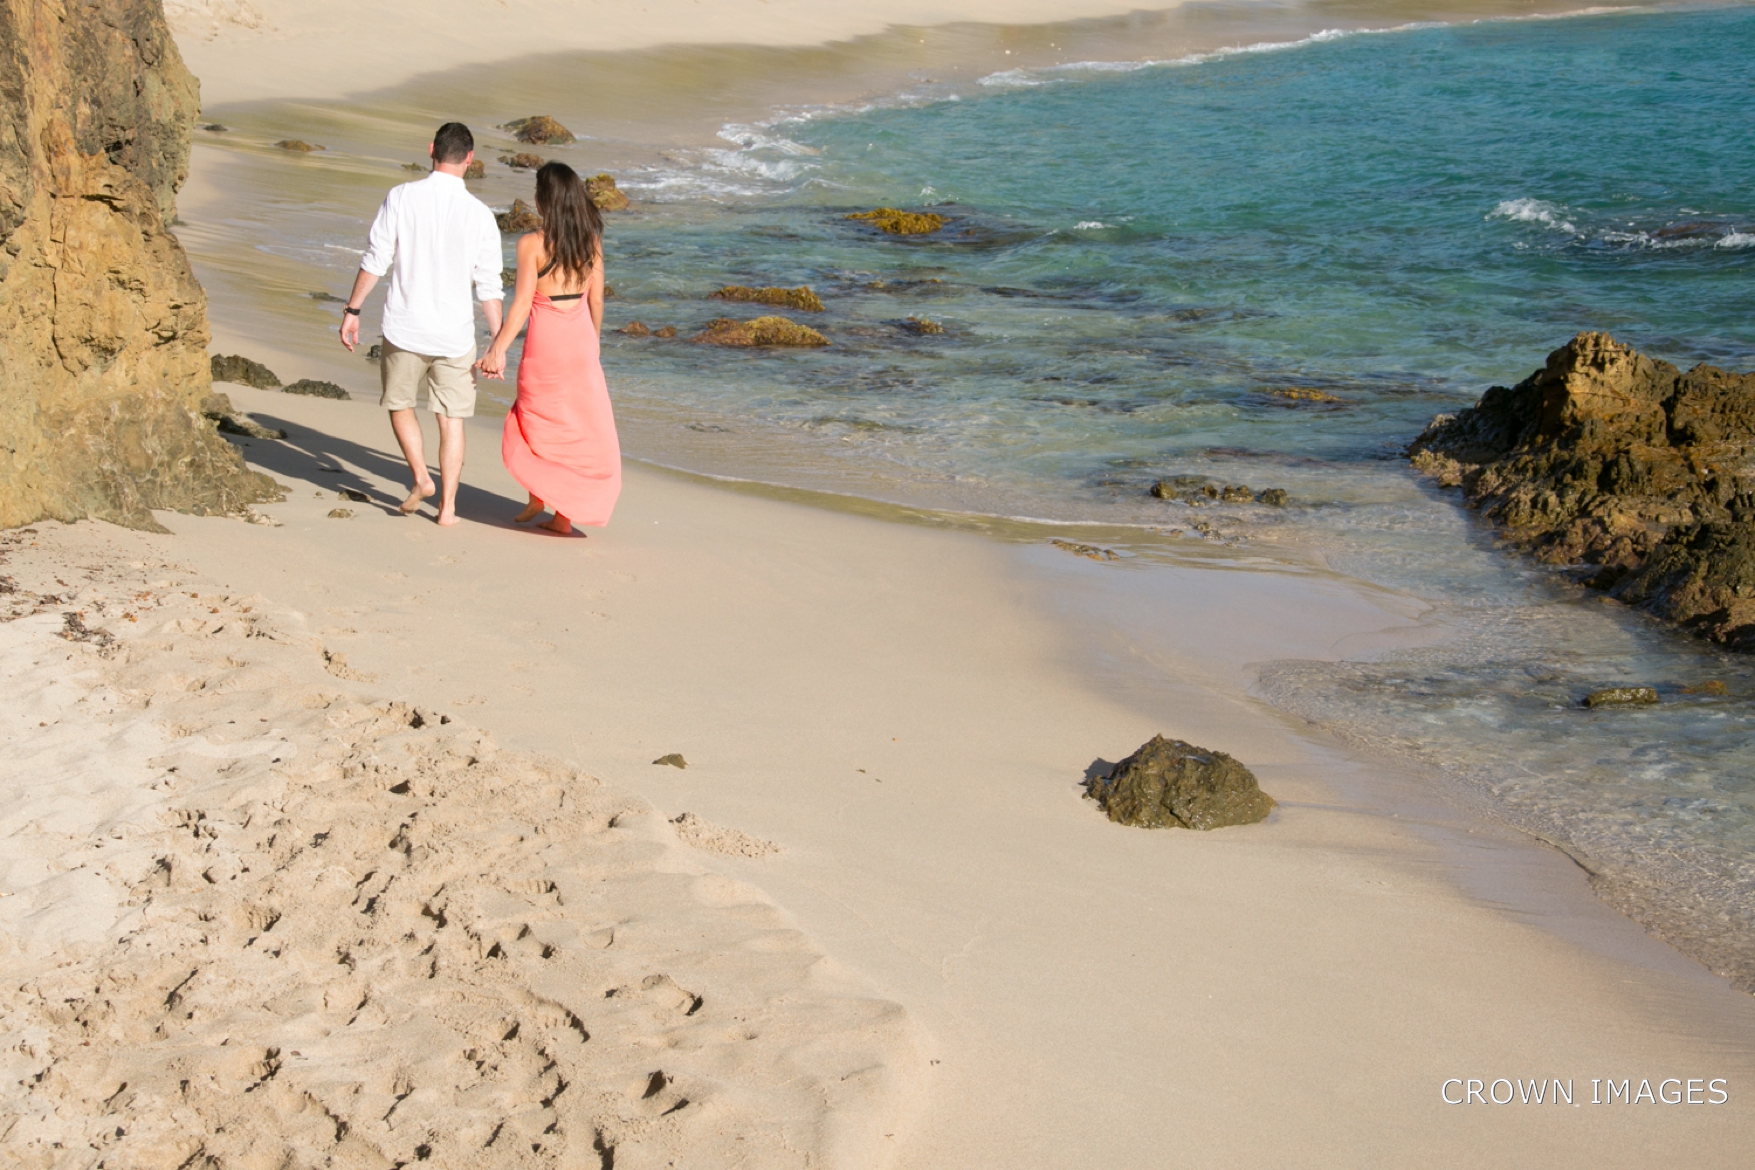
{"x": 376, "y": 352}
{"x": 216, "y": 128}
{"x": 230, "y": 421}
{"x": 539, "y": 130}
{"x": 475, "y": 170}
{"x": 520, "y": 219}
{"x": 760, "y": 332}
{"x": 1302, "y": 394}
{"x": 296, "y": 145}
{"x": 341, "y": 513}
{"x": 787, "y": 298}
{"x": 1272, "y": 497}
{"x": 523, "y": 161}
{"x": 243, "y": 371}
{"x": 1622, "y": 697}
{"x": 635, "y": 329}
{"x": 1169, "y": 784}
{"x": 667, "y": 331}
{"x": 896, "y": 222}
{"x": 604, "y": 193}
{"x": 921, "y": 327}
{"x": 353, "y": 494}
{"x": 316, "y": 389}
{"x": 674, "y": 760}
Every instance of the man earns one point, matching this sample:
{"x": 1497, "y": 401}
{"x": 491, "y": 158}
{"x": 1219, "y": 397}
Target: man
{"x": 434, "y": 239}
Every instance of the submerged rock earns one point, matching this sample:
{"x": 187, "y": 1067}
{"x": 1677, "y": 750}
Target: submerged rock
{"x": 1088, "y": 551}
{"x": 1622, "y": 697}
{"x": 475, "y": 170}
{"x": 241, "y": 370}
{"x": 519, "y": 219}
{"x": 1198, "y": 489}
{"x": 539, "y": 130}
{"x": 523, "y": 161}
{"x": 605, "y": 194}
{"x": 921, "y": 326}
{"x": 666, "y": 331}
{"x": 896, "y": 222}
{"x": 762, "y": 331}
{"x": 297, "y": 145}
{"x": 316, "y": 389}
{"x": 1296, "y": 394}
{"x": 1169, "y": 784}
{"x": 416, "y": 168}
{"x": 801, "y": 297}
{"x": 1607, "y": 459}
{"x": 635, "y": 329}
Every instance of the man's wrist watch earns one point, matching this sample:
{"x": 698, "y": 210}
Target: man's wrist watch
{"x": 351, "y": 311}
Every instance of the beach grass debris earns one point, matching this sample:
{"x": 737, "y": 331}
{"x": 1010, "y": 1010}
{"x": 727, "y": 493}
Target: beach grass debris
{"x": 416, "y": 168}
{"x": 674, "y": 760}
{"x": 1088, "y": 551}
{"x": 243, "y": 371}
{"x": 1711, "y": 686}
{"x": 803, "y": 297}
{"x": 316, "y": 388}
{"x": 475, "y": 170}
{"x": 605, "y": 194}
{"x": 327, "y": 298}
{"x": 341, "y": 513}
{"x": 761, "y": 332}
{"x": 1171, "y": 784}
{"x": 896, "y": 222}
{"x": 523, "y": 160}
{"x": 921, "y": 326}
{"x": 539, "y": 130}
{"x": 519, "y": 218}
{"x": 298, "y": 145}
{"x": 1622, "y": 697}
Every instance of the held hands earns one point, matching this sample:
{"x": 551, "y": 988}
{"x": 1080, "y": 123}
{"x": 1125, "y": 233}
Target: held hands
{"x": 492, "y": 364}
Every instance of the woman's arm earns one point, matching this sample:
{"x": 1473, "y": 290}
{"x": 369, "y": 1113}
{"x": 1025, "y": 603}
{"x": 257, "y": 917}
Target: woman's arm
{"x": 493, "y": 363}
{"x": 594, "y": 291}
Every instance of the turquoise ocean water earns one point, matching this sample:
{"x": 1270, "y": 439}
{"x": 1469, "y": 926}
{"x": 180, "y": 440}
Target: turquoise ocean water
{"x": 1140, "y": 256}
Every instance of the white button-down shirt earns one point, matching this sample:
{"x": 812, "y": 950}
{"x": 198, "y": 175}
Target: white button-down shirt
{"x": 434, "y": 239}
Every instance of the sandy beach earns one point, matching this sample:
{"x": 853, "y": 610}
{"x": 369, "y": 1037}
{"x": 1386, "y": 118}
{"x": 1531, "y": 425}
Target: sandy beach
{"x": 337, "y": 838}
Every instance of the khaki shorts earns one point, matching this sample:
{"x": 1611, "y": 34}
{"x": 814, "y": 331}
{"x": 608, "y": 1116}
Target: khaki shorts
{"x": 449, "y": 385}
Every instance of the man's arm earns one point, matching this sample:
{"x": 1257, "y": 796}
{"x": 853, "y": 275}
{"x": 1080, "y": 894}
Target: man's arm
{"x": 489, "y": 287}
{"x": 363, "y": 284}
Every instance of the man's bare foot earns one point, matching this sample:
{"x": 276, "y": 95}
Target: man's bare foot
{"x": 559, "y": 525}
{"x": 530, "y": 512}
{"x": 421, "y": 491}
{"x": 447, "y": 518}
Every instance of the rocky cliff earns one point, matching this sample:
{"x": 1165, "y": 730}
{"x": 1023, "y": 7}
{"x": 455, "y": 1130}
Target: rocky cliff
{"x": 1639, "y": 474}
{"x": 103, "y": 330}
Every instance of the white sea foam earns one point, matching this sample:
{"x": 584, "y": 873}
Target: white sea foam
{"x": 1089, "y": 225}
{"x": 1534, "y": 211}
{"x": 1737, "y": 240}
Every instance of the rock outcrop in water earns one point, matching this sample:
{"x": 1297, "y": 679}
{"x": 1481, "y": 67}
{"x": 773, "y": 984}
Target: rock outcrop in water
{"x": 103, "y": 330}
{"x": 896, "y": 222}
{"x": 540, "y": 130}
{"x": 802, "y": 297}
{"x": 1169, "y": 784}
{"x": 761, "y": 332}
{"x": 1638, "y": 472}
{"x": 605, "y": 194}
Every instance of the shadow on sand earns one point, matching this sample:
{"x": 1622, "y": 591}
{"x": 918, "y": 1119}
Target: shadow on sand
{"x": 331, "y": 464}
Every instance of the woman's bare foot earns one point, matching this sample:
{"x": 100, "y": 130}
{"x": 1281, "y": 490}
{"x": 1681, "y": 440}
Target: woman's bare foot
{"x": 447, "y": 518}
{"x": 531, "y": 511}
{"x": 422, "y": 490}
{"x": 559, "y": 525}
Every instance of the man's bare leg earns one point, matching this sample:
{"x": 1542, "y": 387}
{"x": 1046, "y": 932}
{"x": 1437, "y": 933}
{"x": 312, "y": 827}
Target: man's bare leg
{"x": 450, "y": 466}
{"x": 407, "y": 428}
{"x": 531, "y": 510}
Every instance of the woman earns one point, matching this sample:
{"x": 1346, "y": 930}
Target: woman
{"x": 560, "y": 441}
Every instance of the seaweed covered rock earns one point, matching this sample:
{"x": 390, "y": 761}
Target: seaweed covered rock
{"x": 1198, "y": 489}
{"x": 523, "y": 161}
{"x": 475, "y": 170}
{"x": 1637, "y": 472}
{"x": 605, "y": 194}
{"x": 297, "y": 145}
{"x": 786, "y": 298}
{"x": 103, "y": 329}
{"x": 921, "y": 327}
{"x": 313, "y": 388}
{"x": 1169, "y": 784}
{"x": 635, "y": 329}
{"x": 762, "y": 331}
{"x": 241, "y": 370}
{"x": 539, "y": 130}
{"x": 896, "y": 222}
{"x": 520, "y": 218}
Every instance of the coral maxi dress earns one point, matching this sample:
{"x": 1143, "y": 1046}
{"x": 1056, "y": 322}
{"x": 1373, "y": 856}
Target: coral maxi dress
{"x": 560, "y": 439}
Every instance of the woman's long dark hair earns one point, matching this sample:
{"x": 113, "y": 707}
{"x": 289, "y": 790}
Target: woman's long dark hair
{"x": 571, "y": 225}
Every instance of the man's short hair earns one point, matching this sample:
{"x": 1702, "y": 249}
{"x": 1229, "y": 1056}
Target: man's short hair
{"x": 452, "y": 143}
